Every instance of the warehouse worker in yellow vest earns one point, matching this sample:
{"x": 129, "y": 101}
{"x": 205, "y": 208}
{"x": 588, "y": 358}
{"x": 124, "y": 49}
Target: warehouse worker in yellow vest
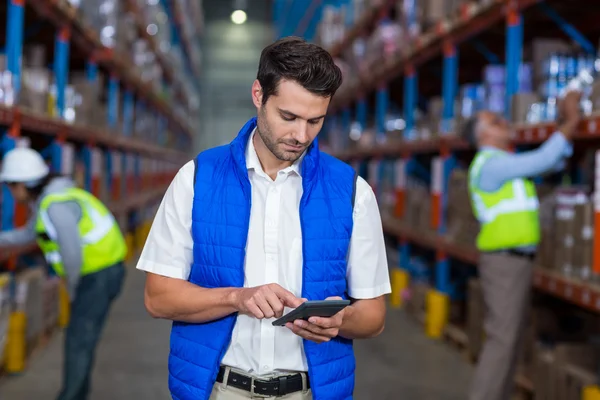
{"x": 84, "y": 245}
{"x": 504, "y": 201}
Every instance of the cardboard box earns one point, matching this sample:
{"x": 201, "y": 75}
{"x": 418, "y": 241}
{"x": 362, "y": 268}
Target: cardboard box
{"x": 573, "y": 233}
{"x": 415, "y": 304}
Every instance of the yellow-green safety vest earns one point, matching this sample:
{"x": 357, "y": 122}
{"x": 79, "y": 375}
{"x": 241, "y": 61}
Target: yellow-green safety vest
{"x": 509, "y": 216}
{"x": 102, "y": 240}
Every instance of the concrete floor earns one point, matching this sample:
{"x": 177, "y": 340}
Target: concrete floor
{"x": 132, "y": 361}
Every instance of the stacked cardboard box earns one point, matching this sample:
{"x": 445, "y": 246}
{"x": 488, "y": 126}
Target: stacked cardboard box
{"x": 35, "y": 80}
{"x": 572, "y": 237}
{"x": 417, "y": 208}
{"x": 415, "y": 302}
{"x": 463, "y": 227}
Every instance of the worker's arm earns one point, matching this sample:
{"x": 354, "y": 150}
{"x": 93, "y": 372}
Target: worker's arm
{"x": 367, "y": 276}
{"x": 20, "y": 236}
{"x": 502, "y": 168}
{"x": 167, "y": 258}
{"x": 65, "y": 218}
{"x": 180, "y": 300}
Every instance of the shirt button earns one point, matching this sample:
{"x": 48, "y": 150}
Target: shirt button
{"x": 265, "y": 367}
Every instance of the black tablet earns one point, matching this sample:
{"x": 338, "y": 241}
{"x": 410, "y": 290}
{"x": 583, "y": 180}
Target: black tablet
{"x": 320, "y": 308}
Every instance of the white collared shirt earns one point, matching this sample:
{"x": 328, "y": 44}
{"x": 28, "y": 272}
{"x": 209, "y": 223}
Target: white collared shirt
{"x": 273, "y": 255}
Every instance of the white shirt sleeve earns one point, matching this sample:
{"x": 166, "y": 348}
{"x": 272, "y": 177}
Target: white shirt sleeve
{"x": 169, "y": 248}
{"x": 367, "y": 273}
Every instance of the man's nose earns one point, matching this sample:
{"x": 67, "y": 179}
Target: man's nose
{"x": 301, "y": 134}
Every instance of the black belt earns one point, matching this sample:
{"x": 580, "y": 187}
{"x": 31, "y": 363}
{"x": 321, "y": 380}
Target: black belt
{"x": 280, "y": 386}
{"x": 515, "y": 252}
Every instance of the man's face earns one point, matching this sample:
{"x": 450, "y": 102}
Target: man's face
{"x": 290, "y": 120}
{"x": 494, "y": 127}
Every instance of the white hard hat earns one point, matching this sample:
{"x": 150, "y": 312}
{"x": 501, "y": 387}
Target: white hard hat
{"x": 23, "y": 164}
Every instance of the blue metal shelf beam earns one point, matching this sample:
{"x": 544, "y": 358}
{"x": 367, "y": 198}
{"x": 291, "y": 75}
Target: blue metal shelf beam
{"x": 410, "y": 101}
{"x": 514, "y": 50}
{"x": 567, "y": 28}
{"x": 449, "y": 86}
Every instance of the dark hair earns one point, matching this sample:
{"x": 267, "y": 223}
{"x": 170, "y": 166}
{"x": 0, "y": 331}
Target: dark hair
{"x": 468, "y": 131}
{"x": 294, "y": 59}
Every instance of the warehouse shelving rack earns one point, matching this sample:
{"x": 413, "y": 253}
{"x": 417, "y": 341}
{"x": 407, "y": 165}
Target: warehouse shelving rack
{"x": 71, "y": 29}
{"x": 385, "y": 78}
{"x": 137, "y": 169}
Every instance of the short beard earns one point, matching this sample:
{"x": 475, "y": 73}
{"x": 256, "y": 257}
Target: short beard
{"x": 263, "y": 130}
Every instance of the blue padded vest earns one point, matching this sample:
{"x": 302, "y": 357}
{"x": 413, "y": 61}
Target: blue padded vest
{"x": 220, "y": 220}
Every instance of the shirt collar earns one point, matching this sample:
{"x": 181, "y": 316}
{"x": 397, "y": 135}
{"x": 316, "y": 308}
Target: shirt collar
{"x": 253, "y": 163}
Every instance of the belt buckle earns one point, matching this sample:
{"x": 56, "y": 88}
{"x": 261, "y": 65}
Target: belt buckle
{"x": 282, "y": 385}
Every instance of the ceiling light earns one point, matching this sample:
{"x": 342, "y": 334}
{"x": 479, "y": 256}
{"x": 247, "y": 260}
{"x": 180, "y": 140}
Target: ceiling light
{"x": 238, "y": 17}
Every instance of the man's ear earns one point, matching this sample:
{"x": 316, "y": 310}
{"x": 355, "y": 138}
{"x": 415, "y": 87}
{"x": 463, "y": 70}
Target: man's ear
{"x": 257, "y": 94}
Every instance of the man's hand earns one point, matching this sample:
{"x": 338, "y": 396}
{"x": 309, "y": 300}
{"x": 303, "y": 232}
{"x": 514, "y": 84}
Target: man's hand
{"x": 570, "y": 113}
{"x": 266, "y": 301}
{"x": 319, "y": 329}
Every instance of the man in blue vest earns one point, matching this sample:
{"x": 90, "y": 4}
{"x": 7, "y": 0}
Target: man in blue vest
{"x": 249, "y": 230}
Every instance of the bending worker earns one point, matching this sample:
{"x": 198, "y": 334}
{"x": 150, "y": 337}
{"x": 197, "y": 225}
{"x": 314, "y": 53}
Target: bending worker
{"x": 504, "y": 201}
{"x": 261, "y": 224}
{"x": 84, "y": 245}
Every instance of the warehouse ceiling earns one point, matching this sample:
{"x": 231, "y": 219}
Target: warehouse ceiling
{"x": 230, "y": 53}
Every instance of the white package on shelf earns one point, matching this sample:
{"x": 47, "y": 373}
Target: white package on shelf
{"x": 103, "y": 17}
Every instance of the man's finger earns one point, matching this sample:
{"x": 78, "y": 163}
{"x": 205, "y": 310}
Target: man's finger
{"x": 275, "y": 303}
{"x": 317, "y": 330}
{"x": 265, "y": 307}
{"x": 255, "y": 310}
{"x": 306, "y": 334}
{"x": 323, "y": 322}
{"x": 287, "y": 297}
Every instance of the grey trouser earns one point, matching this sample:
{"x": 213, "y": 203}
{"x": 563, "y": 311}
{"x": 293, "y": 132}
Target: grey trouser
{"x": 223, "y": 392}
{"x": 506, "y": 285}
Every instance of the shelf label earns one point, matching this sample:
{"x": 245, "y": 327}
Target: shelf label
{"x": 68, "y": 159}
{"x": 400, "y": 174}
{"x": 437, "y": 168}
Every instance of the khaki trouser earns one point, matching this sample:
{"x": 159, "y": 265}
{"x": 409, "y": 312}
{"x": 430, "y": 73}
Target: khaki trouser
{"x": 223, "y": 392}
{"x": 506, "y": 285}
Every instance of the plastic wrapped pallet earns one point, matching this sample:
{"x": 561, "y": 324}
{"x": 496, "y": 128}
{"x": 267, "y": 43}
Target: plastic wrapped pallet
{"x": 29, "y": 299}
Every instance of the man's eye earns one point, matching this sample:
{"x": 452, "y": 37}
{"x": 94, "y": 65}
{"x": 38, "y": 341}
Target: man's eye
{"x": 287, "y": 118}
{"x": 314, "y": 122}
